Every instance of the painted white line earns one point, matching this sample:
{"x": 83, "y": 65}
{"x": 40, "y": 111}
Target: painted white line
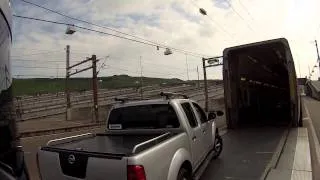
{"x": 307, "y": 112}
{"x": 302, "y": 160}
{"x": 302, "y": 132}
{"x": 301, "y": 175}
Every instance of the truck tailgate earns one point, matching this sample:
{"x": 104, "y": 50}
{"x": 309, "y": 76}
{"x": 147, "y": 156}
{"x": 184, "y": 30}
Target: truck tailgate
{"x": 102, "y": 156}
{"x": 67, "y": 165}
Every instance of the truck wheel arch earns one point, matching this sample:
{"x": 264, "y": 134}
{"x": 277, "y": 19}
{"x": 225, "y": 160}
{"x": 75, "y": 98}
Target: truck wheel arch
{"x": 181, "y": 158}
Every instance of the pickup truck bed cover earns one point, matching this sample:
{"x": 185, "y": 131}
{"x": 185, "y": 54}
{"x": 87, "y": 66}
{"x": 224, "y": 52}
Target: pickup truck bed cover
{"x": 122, "y": 145}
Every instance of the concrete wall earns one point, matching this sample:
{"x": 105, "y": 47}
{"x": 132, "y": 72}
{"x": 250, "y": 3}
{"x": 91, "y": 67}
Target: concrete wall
{"x": 313, "y": 90}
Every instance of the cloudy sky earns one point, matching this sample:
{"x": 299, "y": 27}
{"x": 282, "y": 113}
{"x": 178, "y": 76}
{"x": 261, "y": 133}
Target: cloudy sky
{"x": 39, "y": 48}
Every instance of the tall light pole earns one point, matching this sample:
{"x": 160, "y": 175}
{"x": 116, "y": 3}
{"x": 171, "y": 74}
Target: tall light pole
{"x": 70, "y": 30}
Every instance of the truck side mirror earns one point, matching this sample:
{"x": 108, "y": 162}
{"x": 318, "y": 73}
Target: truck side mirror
{"x": 220, "y": 113}
{"x": 212, "y": 115}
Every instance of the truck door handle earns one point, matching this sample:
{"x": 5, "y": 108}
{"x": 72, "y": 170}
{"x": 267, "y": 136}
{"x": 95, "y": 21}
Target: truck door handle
{"x": 194, "y": 138}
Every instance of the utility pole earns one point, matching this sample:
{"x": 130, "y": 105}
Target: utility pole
{"x": 67, "y": 90}
{"x": 205, "y": 84}
{"x": 94, "y": 60}
{"x": 95, "y": 88}
{"x": 214, "y": 61}
{"x": 198, "y": 77}
{"x": 141, "y": 79}
{"x": 187, "y": 67}
{"x": 318, "y": 57}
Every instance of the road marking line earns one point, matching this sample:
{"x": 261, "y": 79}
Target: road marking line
{"x": 302, "y": 160}
{"x": 301, "y": 175}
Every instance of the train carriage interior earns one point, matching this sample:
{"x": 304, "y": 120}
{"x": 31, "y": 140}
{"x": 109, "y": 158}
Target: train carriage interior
{"x": 260, "y": 76}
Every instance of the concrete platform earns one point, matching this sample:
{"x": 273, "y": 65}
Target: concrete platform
{"x": 246, "y": 154}
{"x": 36, "y": 125}
{"x": 295, "y": 159}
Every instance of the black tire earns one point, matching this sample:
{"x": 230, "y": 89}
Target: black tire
{"x": 218, "y": 146}
{"x": 184, "y": 174}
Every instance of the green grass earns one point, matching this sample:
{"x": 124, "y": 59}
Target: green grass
{"x": 46, "y": 85}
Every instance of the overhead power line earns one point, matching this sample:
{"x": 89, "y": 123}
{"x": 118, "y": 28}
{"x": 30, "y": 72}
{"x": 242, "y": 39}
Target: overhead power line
{"x": 35, "y": 50}
{"x": 38, "y": 60}
{"x": 239, "y": 15}
{"x": 87, "y": 22}
{"x": 40, "y": 53}
{"x": 146, "y": 61}
{"x": 215, "y": 22}
{"x": 43, "y": 60}
{"x": 146, "y": 41}
{"x": 37, "y": 76}
{"x": 36, "y": 67}
{"x": 148, "y": 72}
{"x": 246, "y": 9}
{"x": 102, "y": 32}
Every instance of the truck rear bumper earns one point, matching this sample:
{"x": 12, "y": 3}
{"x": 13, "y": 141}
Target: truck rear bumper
{"x": 66, "y": 165}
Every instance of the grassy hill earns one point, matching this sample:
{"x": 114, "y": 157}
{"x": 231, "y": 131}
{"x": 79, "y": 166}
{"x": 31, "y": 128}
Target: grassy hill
{"x": 46, "y": 85}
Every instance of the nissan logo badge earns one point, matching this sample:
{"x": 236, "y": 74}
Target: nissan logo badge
{"x": 71, "y": 159}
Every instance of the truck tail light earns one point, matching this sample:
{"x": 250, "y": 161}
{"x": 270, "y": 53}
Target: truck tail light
{"x": 136, "y": 172}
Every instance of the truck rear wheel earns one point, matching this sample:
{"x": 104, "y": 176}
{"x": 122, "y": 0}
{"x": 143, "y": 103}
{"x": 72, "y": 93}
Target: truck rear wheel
{"x": 218, "y": 145}
{"x": 184, "y": 174}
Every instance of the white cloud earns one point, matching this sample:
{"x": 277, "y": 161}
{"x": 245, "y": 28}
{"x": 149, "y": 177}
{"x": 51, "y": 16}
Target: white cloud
{"x": 176, "y": 23}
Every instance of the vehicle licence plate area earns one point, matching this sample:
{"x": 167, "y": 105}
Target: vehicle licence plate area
{"x": 73, "y": 164}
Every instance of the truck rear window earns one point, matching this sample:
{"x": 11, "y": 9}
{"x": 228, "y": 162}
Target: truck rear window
{"x": 153, "y": 116}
